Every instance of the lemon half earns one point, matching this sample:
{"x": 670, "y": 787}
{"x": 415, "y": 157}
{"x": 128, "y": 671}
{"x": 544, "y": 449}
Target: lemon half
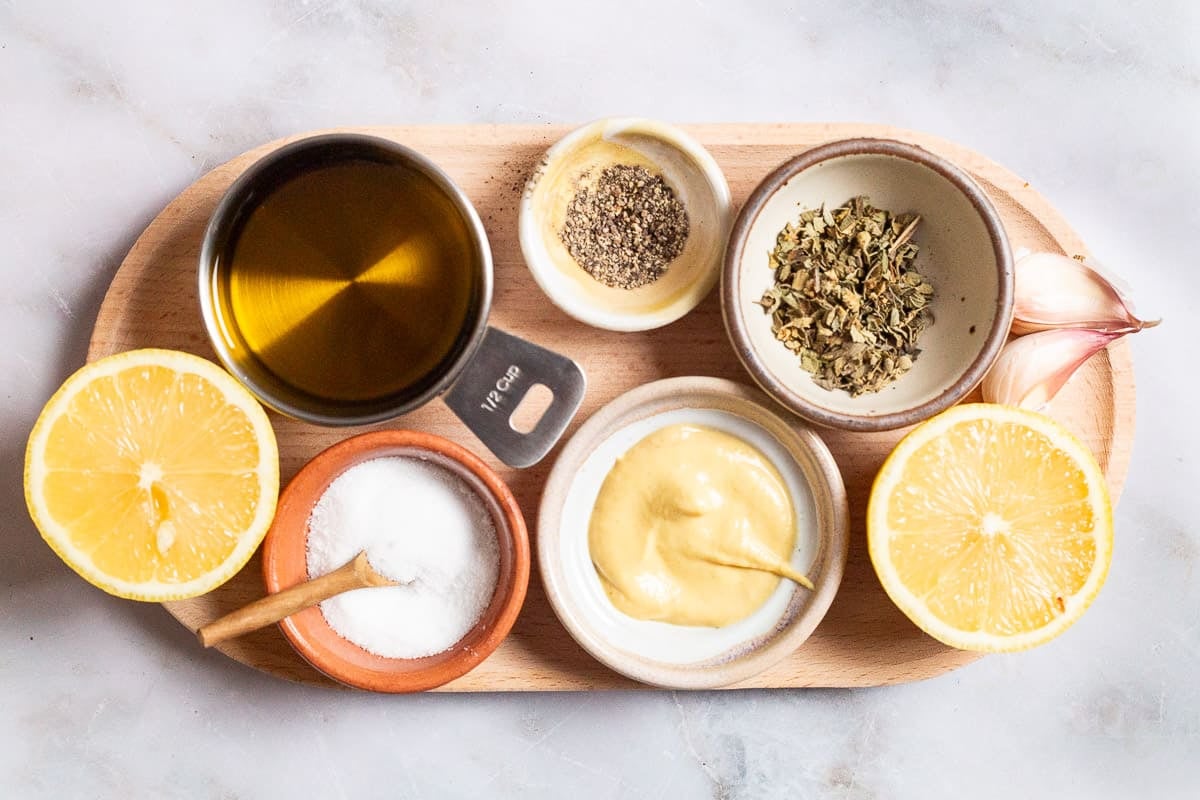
{"x": 153, "y": 474}
{"x": 991, "y": 527}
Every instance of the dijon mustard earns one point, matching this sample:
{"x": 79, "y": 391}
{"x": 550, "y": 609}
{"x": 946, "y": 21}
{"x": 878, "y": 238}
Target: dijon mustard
{"x": 692, "y": 526}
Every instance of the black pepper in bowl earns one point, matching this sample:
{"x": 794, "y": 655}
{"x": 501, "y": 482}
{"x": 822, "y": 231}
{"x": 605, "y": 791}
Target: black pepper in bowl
{"x": 626, "y": 229}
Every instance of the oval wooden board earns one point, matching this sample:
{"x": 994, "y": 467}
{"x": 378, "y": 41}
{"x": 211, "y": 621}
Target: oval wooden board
{"x": 864, "y": 640}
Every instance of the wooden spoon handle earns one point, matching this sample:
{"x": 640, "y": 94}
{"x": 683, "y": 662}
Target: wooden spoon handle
{"x": 355, "y": 574}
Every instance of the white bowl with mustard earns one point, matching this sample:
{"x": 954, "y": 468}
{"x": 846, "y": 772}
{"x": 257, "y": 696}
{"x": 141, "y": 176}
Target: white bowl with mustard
{"x": 623, "y": 223}
{"x": 689, "y": 537}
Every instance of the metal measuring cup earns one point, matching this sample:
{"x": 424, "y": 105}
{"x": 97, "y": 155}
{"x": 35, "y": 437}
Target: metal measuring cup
{"x": 488, "y": 371}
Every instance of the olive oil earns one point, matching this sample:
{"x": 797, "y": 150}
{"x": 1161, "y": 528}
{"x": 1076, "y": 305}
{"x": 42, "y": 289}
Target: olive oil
{"x": 347, "y": 282}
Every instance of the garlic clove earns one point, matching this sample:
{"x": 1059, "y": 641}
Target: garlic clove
{"x": 1031, "y": 370}
{"x": 1119, "y": 284}
{"x": 1054, "y": 291}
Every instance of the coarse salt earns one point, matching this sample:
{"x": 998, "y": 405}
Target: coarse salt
{"x": 420, "y": 524}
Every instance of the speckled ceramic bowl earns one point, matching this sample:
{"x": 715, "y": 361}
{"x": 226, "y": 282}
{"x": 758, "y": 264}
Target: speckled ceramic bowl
{"x": 964, "y": 253}
{"x": 690, "y": 172}
{"x": 680, "y": 656}
{"x": 284, "y": 565}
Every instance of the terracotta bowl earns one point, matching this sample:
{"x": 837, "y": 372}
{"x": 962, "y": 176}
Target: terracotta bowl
{"x": 680, "y": 656}
{"x": 964, "y": 252}
{"x": 344, "y": 661}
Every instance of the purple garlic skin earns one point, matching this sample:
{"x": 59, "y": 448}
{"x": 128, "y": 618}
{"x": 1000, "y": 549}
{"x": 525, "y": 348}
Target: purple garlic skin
{"x": 1056, "y": 292}
{"x": 1031, "y": 370}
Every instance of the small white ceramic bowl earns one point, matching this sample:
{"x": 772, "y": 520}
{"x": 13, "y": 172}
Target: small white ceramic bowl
{"x": 690, "y": 172}
{"x": 680, "y": 656}
{"x": 964, "y": 253}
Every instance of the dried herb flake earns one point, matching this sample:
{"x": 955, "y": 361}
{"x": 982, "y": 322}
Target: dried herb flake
{"x": 847, "y": 298}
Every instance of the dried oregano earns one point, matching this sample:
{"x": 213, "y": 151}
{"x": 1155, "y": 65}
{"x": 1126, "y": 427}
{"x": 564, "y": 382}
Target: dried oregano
{"x": 847, "y": 298}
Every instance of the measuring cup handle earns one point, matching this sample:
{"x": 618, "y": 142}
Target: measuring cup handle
{"x": 503, "y": 370}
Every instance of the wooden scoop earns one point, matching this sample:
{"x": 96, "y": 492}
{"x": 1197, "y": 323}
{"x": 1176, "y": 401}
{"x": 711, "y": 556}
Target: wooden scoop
{"x": 356, "y": 574}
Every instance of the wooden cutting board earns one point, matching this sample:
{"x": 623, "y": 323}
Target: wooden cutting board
{"x": 864, "y": 640}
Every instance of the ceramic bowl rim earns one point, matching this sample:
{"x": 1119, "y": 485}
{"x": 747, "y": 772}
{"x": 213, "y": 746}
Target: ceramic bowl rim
{"x": 830, "y": 503}
{"x": 734, "y": 317}
{"x": 592, "y": 314}
{"x": 302, "y": 493}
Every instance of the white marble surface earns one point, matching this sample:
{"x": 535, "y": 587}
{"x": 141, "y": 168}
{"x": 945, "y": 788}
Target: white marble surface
{"x": 107, "y": 110}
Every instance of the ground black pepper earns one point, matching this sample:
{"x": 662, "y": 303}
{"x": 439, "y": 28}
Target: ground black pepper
{"x": 627, "y": 228}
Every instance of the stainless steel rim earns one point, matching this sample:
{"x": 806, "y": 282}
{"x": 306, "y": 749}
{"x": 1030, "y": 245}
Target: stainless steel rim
{"x": 230, "y": 204}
